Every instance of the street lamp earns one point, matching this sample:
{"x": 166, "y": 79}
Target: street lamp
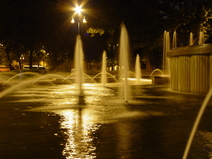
{"x": 77, "y": 16}
{"x": 78, "y": 9}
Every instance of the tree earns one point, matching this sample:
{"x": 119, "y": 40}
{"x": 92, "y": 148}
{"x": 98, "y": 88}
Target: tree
{"x": 21, "y": 25}
{"x": 35, "y": 23}
{"x": 147, "y": 20}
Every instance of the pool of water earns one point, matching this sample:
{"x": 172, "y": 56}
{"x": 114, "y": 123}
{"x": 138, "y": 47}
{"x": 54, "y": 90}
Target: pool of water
{"x": 45, "y": 122}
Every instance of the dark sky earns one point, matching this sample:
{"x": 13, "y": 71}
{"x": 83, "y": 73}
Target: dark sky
{"x": 47, "y": 22}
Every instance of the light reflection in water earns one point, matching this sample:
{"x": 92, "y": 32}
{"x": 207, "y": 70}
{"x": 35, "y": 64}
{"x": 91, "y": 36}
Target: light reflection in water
{"x": 79, "y": 132}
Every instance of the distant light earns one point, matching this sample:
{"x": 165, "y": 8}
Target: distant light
{"x": 72, "y": 20}
{"x": 22, "y": 57}
{"x": 84, "y": 20}
{"x": 78, "y": 9}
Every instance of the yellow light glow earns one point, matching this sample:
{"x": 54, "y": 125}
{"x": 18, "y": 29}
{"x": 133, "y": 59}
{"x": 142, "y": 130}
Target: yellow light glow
{"x": 84, "y": 20}
{"x": 78, "y": 9}
{"x": 78, "y": 129}
{"x": 72, "y": 20}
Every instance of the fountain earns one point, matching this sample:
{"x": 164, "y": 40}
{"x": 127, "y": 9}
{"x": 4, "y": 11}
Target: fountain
{"x": 104, "y": 69}
{"x": 19, "y": 76}
{"x": 191, "y": 73}
{"x": 105, "y": 76}
{"x": 191, "y": 67}
{"x": 166, "y": 48}
{"x": 79, "y": 67}
{"x": 48, "y": 121}
{"x": 123, "y": 63}
{"x": 138, "y": 70}
{"x": 174, "y": 41}
{"x": 164, "y": 78}
{"x": 191, "y": 39}
{"x": 201, "y": 38}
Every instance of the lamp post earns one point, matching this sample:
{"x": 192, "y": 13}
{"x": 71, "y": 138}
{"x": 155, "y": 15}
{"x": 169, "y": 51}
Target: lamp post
{"x": 77, "y": 15}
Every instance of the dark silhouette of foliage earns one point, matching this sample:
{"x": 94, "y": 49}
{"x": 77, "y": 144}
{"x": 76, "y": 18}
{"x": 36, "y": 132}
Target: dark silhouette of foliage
{"x": 31, "y": 24}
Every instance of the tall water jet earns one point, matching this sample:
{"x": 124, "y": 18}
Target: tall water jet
{"x": 137, "y": 70}
{"x": 174, "y": 41}
{"x": 201, "y": 37}
{"x": 123, "y": 62}
{"x": 79, "y": 67}
{"x": 191, "y": 39}
{"x": 104, "y": 69}
{"x": 166, "y": 48}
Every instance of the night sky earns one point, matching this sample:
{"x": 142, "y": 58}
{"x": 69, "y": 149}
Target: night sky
{"x": 37, "y": 23}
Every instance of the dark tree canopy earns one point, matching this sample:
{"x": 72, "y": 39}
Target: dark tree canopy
{"x": 28, "y": 25}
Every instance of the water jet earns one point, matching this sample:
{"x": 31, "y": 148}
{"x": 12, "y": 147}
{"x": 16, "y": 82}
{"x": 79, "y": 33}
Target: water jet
{"x": 123, "y": 62}
{"x": 138, "y": 74}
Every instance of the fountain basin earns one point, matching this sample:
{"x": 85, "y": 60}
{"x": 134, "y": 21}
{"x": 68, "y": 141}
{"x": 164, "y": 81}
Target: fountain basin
{"x": 190, "y": 68}
{"x": 160, "y": 79}
{"x": 46, "y": 122}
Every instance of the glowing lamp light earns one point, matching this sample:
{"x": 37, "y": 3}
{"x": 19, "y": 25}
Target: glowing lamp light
{"x": 22, "y": 57}
{"x": 72, "y": 20}
{"x": 84, "y": 20}
{"x": 78, "y": 9}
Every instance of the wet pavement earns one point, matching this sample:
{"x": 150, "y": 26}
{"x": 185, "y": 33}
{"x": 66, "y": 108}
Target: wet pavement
{"x": 45, "y": 122}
